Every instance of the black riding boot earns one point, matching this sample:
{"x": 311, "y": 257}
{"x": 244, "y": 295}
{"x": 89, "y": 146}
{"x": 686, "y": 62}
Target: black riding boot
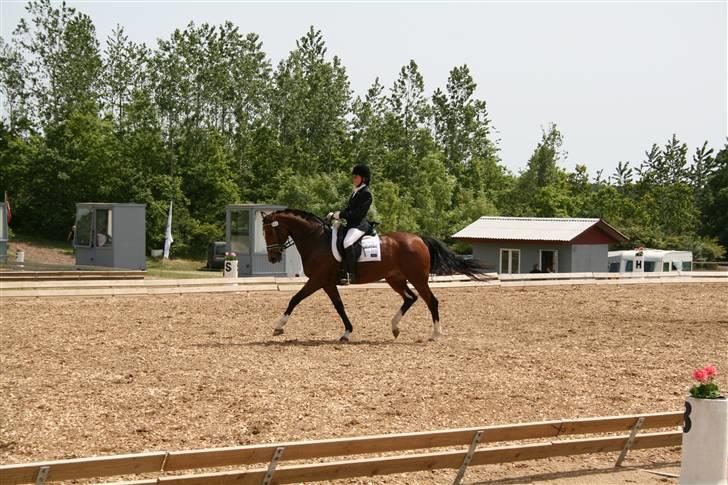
{"x": 350, "y": 261}
{"x": 343, "y": 277}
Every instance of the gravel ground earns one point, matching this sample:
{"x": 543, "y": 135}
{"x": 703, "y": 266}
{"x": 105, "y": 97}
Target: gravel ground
{"x": 82, "y": 377}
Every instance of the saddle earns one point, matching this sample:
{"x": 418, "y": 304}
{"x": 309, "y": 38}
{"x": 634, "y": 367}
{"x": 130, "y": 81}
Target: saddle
{"x": 367, "y": 248}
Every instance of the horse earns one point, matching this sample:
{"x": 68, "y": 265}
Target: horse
{"x": 405, "y": 257}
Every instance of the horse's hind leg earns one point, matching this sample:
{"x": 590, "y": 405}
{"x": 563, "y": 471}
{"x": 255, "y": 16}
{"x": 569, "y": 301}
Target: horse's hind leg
{"x": 420, "y": 284}
{"x": 399, "y": 284}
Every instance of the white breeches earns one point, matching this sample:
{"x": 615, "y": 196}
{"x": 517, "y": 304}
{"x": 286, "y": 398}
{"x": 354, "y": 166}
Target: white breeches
{"x": 352, "y": 236}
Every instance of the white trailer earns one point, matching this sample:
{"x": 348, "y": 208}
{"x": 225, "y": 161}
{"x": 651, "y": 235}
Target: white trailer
{"x": 650, "y": 261}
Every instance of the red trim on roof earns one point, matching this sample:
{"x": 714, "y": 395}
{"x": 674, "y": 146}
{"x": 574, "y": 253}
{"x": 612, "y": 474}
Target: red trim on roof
{"x": 600, "y": 233}
{"x": 593, "y": 235}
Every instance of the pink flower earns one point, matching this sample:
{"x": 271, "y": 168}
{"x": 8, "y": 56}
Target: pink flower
{"x": 700, "y": 375}
{"x": 710, "y": 371}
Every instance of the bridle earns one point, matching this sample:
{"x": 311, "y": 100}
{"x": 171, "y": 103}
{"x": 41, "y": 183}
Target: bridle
{"x": 278, "y": 246}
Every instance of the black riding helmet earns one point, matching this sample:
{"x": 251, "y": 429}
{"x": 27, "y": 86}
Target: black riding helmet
{"x": 363, "y": 171}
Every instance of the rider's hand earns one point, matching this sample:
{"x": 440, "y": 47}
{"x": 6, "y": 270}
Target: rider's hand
{"x": 336, "y": 215}
{"x": 329, "y": 216}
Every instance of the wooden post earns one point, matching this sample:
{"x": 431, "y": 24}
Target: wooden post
{"x": 630, "y": 441}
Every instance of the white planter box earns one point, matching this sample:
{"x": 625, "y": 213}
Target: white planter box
{"x": 705, "y": 442}
{"x": 230, "y": 269}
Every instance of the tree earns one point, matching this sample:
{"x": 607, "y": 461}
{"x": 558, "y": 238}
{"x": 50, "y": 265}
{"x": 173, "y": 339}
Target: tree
{"x": 62, "y": 61}
{"x": 665, "y": 166}
{"x": 702, "y": 168}
{"x": 310, "y": 101}
{"x": 715, "y": 204}
{"x": 623, "y": 175}
{"x": 542, "y": 189}
{"x": 13, "y": 86}
{"x": 124, "y": 72}
{"x": 368, "y": 130}
{"x": 461, "y": 124}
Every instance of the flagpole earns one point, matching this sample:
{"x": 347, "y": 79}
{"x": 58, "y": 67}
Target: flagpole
{"x": 168, "y": 240}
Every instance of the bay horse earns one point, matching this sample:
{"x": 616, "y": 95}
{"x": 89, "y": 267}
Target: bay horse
{"x": 404, "y": 257}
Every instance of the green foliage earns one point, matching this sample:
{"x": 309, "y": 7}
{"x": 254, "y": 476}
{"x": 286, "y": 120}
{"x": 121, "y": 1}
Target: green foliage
{"x": 714, "y": 200}
{"x": 203, "y": 119}
{"x": 705, "y": 391}
{"x": 319, "y": 193}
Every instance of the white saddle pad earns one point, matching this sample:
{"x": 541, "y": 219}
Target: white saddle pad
{"x": 370, "y": 249}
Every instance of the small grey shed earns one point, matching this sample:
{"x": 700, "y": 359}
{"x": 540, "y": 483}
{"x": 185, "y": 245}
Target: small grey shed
{"x": 111, "y": 235}
{"x": 244, "y": 236}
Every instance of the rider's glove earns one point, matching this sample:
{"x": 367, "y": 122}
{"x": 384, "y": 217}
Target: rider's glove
{"x": 336, "y": 215}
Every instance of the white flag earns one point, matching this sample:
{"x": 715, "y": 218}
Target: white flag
{"x": 168, "y": 234}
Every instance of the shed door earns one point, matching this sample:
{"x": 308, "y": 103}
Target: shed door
{"x": 510, "y": 261}
{"x": 549, "y": 261}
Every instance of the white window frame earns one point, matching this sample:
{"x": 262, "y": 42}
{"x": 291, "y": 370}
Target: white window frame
{"x": 556, "y": 259}
{"x": 510, "y": 260}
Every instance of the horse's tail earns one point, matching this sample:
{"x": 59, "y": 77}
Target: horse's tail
{"x": 445, "y": 262}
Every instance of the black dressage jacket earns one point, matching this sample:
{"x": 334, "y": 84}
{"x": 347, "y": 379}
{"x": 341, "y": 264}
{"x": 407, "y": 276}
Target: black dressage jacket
{"x": 355, "y": 212}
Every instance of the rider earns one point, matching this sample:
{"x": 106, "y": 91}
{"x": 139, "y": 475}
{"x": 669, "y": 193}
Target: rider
{"x": 355, "y": 215}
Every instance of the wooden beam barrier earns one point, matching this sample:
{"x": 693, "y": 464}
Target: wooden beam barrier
{"x": 256, "y": 454}
{"x": 423, "y": 462}
{"x": 84, "y": 468}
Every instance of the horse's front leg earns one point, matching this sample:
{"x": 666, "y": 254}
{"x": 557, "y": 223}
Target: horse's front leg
{"x": 333, "y": 293}
{"x": 308, "y": 289}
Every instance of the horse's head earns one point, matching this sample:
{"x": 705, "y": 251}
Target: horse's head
{"x": 276, "y": 236}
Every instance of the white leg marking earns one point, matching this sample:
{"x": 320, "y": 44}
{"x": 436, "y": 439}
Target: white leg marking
{"x": 282, "y": 322}
{"x": 395, "y": 320}
{"x": 437, "y": 331}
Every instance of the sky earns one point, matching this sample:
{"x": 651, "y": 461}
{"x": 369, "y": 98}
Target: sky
{"x": 615, "y": 77}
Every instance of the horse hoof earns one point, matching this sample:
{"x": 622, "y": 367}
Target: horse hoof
{"x": 395, "y": 332}
{"x": 278, "y": 331}
{"x": 344, "y": 340}
{"x": 433, "y": 339}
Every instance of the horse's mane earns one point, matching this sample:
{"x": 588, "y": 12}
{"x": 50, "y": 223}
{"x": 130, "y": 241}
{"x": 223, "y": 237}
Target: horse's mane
{"x": 303, "y": 214}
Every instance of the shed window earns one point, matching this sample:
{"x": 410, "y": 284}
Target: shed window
{"x": 614, "y": 267}
{"x": 650, "y": 266}
{"x": 687, "y": 266}
{"x": 510, "y": 261}
{"x": 628, "y": 266}
{"x": 104, "y": 228}
{"x": 240, "y": 231}
{"x": 666, "y": 267}
{"x": 84, "y": 219}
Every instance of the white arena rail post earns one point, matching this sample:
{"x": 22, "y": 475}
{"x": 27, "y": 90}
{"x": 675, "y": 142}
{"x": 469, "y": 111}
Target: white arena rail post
{"x": 705, "y": 442}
